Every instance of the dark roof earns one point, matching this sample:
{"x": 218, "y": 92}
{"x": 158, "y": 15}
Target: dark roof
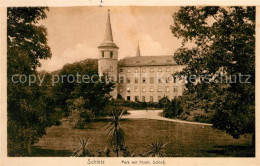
{"x": 164, "y": 60}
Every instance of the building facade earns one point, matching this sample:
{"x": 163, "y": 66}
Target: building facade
{"x": 138, "y": 78}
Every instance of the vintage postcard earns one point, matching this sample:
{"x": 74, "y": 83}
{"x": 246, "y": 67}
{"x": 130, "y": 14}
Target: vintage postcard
{"x": 129, "y": 83}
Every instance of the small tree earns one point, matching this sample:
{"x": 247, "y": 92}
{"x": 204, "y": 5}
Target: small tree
{"x": 114, "y": 130}
{"x": 79, "y": 116}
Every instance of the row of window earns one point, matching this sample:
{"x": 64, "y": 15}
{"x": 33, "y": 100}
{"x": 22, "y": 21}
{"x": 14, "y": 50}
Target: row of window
{"x": 159, "y": 89}
{"x": 111, "y": 54}
{"x": 151, "y": 80}
{"x": 136, "y": 98}
{"x": 136, "y": 70}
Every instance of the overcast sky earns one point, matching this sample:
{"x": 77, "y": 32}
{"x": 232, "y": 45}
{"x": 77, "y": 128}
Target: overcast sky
{"x": 75, "y": 32}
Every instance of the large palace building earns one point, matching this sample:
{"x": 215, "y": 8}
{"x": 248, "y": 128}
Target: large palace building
{"x": 138, "y": 78}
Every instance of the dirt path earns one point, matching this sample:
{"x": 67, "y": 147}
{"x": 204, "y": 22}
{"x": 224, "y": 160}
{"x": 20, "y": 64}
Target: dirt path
{"x": 154, "y": 114}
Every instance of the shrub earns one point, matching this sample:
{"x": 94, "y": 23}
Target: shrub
{"x": 173, "y": 109}
{"x": 79, "y": 116}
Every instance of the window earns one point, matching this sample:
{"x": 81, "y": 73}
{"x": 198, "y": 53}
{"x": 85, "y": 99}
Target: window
{"x": 136, "y": 70}
{"x": 128, "y": 70}
{"x": 143, "y": 89}
{"x": 136, "y": 89}
{"x": 151, "y": 98}
{"x": 160, "y": 69}
{"x": 175, "y": 89}
{"x": 111, "y": 68}
{"x": 136, "y": 80}
{"x": 151, "y": 80}
{"x": 121, "y": 70}
{"x": 121, "y": 79}
{"x": 111, "y": 54}
{"x": 167, "y": 69}
{"x": 128, "y": 80}
{"x": 103, "y": 54}
{"x": 167, "y": 89}
{"x": 167, "y": 79}
{"x": 159, "y": 89}
{"x": 151, "y": 70}
{"x": 136, "y": 98}
{"x": 151, "y": 89}
{"x": 128, "y": 98}
{"x": 137, "y": 61}
{"x": 159, "y": 80}
{"x": 143, "y": 70}
{"x": 120, "y": 89}
{"x": 174, "y": 79}
{"x": 144, "y": 80}
{"x": 128, "y": 89}
{"x": 143, "y": 98}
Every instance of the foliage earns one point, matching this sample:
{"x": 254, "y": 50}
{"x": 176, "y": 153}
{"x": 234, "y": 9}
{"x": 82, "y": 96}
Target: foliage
{"x": 163, "y": 102}
{"x": 224, "y": 39}
{"x": 114, "y": 130}
{"x": 156, "y": 150}
{"x": 95, "y": 92}
{"x": 79, "y": 116}
{"x": 82, "y": 151}
{"x": 133, "y": 105}
{"x": 173, "y": 109}
{"x": 30, "y": 108}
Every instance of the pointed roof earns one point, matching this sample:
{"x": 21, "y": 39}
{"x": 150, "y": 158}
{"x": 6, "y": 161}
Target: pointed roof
{"x": 138, "y": 54}
{"x": 108, "y": 40}
{"x": 108, "y": 33}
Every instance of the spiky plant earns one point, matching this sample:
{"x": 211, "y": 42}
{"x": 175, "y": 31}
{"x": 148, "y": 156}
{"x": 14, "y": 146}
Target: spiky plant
{"x": 156, "y": 149}
{"x": 114, "y": 130}
{"x": 82, "y": 150}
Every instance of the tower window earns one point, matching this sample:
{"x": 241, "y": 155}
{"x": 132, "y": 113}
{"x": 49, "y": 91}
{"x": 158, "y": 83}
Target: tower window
{"x": 103, "y": 54}
{"x": 111, "y": 54}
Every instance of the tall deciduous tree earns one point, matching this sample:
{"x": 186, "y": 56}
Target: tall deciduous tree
{"x": 29, "y": 107}
{"x": 224, "y": 39}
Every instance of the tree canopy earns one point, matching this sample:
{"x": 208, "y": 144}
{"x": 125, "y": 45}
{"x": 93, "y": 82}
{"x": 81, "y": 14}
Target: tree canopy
{"x": 30, "y": 108}
{"x": 224, "y": 39}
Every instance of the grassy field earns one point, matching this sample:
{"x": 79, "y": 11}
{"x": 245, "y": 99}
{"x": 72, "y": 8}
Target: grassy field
{"x": 183, "y": 140}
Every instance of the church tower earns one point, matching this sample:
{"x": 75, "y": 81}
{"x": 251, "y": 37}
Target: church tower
{"x": 108, "y": 56}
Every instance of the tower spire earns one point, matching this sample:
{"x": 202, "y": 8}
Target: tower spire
{"x": 108, "y": 33}
{"x": 138, "y": 54}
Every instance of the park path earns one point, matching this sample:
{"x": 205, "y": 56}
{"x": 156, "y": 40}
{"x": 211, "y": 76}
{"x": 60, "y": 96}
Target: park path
{"x": 154, "y": 114}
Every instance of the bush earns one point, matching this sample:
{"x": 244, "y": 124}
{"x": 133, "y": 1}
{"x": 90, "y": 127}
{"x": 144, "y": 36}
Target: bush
{"x": 203, "y": 118}
{"x": 79, "y": 116}
{"x": 173, "y": 109}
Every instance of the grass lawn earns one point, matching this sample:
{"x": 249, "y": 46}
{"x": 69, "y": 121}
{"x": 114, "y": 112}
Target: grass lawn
{"x": 183, "y": 140}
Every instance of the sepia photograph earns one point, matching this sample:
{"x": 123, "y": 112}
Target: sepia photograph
{"x": 131, "y": 81}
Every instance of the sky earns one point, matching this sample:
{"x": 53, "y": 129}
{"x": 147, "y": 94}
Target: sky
{"x": 74, "y": 33}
